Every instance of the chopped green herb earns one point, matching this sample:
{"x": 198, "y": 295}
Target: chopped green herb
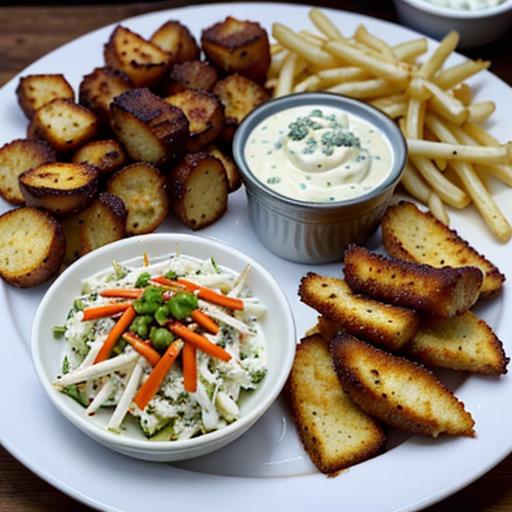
{"x": 171, "y": 274}
{"x": 59, "y": 331}
{"x": 119, "y": 270}
{"x": 214, "y": 265}
{"x": 78, "y": 305}
{"x": 143, "y": 280}
{"x": 273, "y": 180}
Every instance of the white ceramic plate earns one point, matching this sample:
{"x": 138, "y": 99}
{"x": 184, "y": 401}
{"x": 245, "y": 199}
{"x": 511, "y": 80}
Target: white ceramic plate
{"x": 267, "y": 466}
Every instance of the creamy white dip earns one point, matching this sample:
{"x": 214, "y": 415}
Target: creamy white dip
{"x": 466, "y": 5}
{"x": 318, "y": 154}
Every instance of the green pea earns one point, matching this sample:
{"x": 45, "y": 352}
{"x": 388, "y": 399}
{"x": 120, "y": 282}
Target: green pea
{"x": 143, "y": 280}
{"x": 145, "y": 308}
{"x": 161, "y": 315}
{"x": 153, "y": 294}
{"x": 147, "y": 319}
{"x": 171, "y": 274}
{"x": 182, "y": 305}
{"x": 142, "y": 330}
{"x": 161, "y": 339}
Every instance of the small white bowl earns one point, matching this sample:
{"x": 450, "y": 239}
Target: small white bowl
{"x": 476, "y": 28}
{"x": 278, "y": 326}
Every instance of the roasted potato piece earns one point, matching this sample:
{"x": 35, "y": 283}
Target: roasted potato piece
{"x": 237, "y": 46}
{"x": 150, "y": 129}
{"x": 176, "y": 39}
{"x": 19, "y": 156}
{"x": 36, "y": 91}
{"x": 141, "y": 60}
{"x": 240, "y": 96}
{"x": 205, "y": 115}
{"x": 64, "y": 125}
{"x": 31, "y": 246}
{"x": 104, "y": 155}
{"x": 234, "y": 179}
{"x": 99, "y": 88}
{"x": 60, "y": 188}
{"x": 141, "y": 187}
{"x": 193, "y": 74}
{"x": 198, "y": 189}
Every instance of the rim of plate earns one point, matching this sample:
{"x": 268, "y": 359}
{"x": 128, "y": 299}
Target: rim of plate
{"x": 446, "y": 12}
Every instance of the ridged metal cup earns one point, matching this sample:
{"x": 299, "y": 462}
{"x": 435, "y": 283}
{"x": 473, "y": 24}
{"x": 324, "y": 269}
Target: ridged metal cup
{"x": 308, "y": 232}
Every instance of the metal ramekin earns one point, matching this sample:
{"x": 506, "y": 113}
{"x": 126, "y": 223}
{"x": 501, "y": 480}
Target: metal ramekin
{"x": 308, "y": 232}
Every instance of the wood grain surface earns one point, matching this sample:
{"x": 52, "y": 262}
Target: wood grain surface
{"x": 23, "y": 40}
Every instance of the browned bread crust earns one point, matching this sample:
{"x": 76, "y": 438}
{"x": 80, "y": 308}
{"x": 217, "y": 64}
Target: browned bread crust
{"x": 193, "y": 74}
{"x": 399, "y": 392}
{"x": 176, "y": 39}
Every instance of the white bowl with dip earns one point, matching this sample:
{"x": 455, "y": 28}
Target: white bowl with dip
{"x": 319, "y": 171}
{"x": 484, "y": 22}
{"x": 278, "y": 327}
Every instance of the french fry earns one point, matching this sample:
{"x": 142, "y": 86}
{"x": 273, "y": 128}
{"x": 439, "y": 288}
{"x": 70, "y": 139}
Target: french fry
{"x": 437, "y": 208}
{"x": 450, "y": 77}
{"x": 311, "y": 83}
{"x": 366, "y": 89}
{"x": 418, "y": 90}
{"x": 335, "y": 76}
{"x": 393, "y": 110}
{"x": 481, "y": 135}
{"x": 447, "y": 106}
{"x": 276, "y": 63}
{"x": 414, "y": 119}
{"x": 363, "y": 36}
{"x": 414, "y": 184}
{"x": 463, "y": 93}
{"x": 324, "y": 24}
{"x": 275, "y": 48}
{"x": 480, "y": 112}
{"x": 410, "y": 50}
{"x": 438, "y": 57}
{"x": 312, "y": 38}
{"x": 284, "y": 83}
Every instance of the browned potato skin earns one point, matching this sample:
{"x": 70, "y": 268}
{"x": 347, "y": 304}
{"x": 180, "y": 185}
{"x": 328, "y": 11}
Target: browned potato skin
{"x": 193, "y": 74}
{"x": 106, "y": 156}
{"x": 234, "y": 178}
{"x": 236, "y": 46}
{"x": 205, "y": 115}
{"x": 176, "y": 39}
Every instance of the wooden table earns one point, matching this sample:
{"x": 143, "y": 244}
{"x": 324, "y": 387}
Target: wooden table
{"x": 29, "y": 32}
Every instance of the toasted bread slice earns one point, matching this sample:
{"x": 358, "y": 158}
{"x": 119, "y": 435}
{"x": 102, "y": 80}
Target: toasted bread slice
{"x": 141, "y": 60}
{"x": 193, "y": 74}
{"x": 399, "y": 392}
{"x": 443, "y": 292}
{"x": 36, "y": 91}
{"x": 237, "y": 46}
{"x": 327, "y": 329}
{"x": 385, "y": 325}
{"x": 205, "y": 115}
{"x": 64, "y": 125}
{"x": 106, "y": 156}
{"x": 98, "y": 89}
{"x": 60, "y": 188}
{"x": 234, "y": 178}
{"x": 464, "y": 342}
{"x": 149, "y": 128}
{"x": 196, "y": 177}
{"x": 141, "y": 187}
{"x": 334, "y": 431}
{"x": 19, "y": 156}
{"x": 413, "y": 235}
{"x": 31, "y": 246}
{"x": 176, "y": 39}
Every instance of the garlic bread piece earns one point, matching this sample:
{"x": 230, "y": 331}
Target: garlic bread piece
{"x": 19, "y": 156}
{"x": 236, "y": 46}
{"x": 60, "y": 188}
{"x": 64, "y": 124}
{"x": 141, "y": 60}
{"x": 31, "y": 246}
{"x": 198, "y": 190}
{"x": 176, "y": 39}
{"x": 36, "y": 91}
{"x": 397, "y": 391}
{"x": 205, "y": 115}
{"x": 335, "y": 432}
{"x": 150, "y": 129}
{"x": 234, "y": 178}
{"x": 141, "y": 187}
{"x": 413, "y": 235}
{"x": 193, "y": 74}
{"x": 106, "y": 156}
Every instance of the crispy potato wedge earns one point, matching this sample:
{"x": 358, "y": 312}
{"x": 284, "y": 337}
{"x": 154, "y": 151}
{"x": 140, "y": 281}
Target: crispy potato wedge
{"x": 193, "y": 74}
{"x": 141, "y": 60}
{"x": 236, "y": 46}
{"x": 36, "y": 91}
{"x": 198, "y": 190}
{"x": 31, "y": 246}
{"x": 141, "y": 187}
{"x": 176, "y": 39}
{"x": 234, "y": 178}
{"x": 205, "y": 115}
{"x": 19, "y": 156}
{"x": 150, "y": 129}
{"x": 106, "y": 156}
{"x": 64, "y": 125}
{"x": 99, "y": 88}
{"x": 60, "y": 188}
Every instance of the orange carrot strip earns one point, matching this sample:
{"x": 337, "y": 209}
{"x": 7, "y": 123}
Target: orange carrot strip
{"x": 212, "y": 296}
{"x": 116, "y": 332}
{"x": 169, "y": 283}
{"x": 156, "y": 377}
{"x": 198, "y": 341}
{"x": 104, "y": 310}
{"x": 189, "y": 368}
{"x": 204, "y": 321}
{"x": 125, "y": 293}
{"x": 143, "y": 348}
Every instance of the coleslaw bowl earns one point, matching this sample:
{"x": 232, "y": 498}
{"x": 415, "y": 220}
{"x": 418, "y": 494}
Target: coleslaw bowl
{"x": 278, "y": 328}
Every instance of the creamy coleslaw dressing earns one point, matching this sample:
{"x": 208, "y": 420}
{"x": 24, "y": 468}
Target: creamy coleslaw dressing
{"x": 318, "y": 154}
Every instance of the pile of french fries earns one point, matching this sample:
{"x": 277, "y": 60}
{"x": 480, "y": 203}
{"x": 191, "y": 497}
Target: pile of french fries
{"x": 451, "y": 156}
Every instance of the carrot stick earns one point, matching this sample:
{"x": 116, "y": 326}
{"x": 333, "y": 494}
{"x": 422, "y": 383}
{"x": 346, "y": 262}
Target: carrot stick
{"x": 104, "y": 310}
{"x": 148, "y": 390}
{"x": 189, "y": 368}
{"x": 212, "y": 296}
{"x": 204, "y": 321}
{"x": 198, "y": 341}
{"x": 125, "y": 293}
{"x": 143, "y": 348}
{"x": 116, "y": 332}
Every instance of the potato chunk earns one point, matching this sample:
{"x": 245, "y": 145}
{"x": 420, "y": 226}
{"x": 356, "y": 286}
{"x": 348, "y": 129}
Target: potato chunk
{"x": 106, "y": 156}
{"x": 234, "y": 179}
{"x": 176, "y": 39}
{"x": 193, "y": 74}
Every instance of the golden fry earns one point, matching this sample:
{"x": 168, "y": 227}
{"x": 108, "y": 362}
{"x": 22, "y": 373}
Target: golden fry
{"x": 324, "y": 24}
